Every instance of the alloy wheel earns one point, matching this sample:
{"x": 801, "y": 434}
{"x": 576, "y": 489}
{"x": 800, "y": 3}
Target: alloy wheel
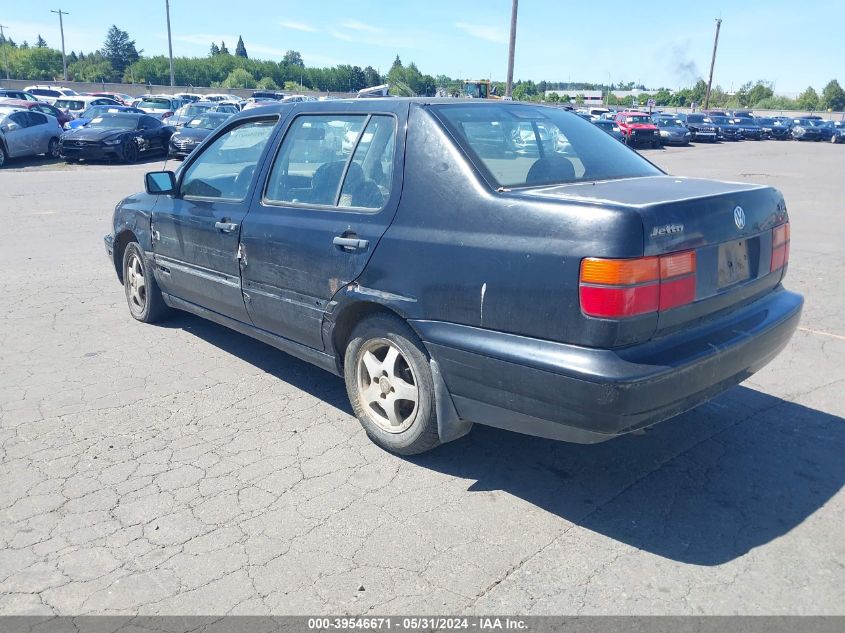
{"x": 387, "y": 386}
{"x": 136, "y": 284}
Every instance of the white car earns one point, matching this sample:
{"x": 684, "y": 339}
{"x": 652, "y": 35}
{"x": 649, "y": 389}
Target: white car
{"x": 27, "y": 133}
{"x": 161, "y": 107}
{"x": 75, "y": 106}
{"x": 50, "y": 94}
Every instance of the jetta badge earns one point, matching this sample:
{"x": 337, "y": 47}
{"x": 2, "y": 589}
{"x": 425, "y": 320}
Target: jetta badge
{"x": 739, "y": 218}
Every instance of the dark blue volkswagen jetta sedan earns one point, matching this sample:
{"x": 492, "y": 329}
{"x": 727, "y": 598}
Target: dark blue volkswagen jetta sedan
{"x": 466, "y": 261}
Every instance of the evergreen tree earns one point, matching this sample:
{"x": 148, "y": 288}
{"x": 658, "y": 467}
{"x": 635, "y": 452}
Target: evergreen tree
{"x": 223, "y": 49}
{"x": 240, "y": 49}
{"x": 120, "y": 51}
{"x": 40, "y": 43}
{"x": 215, "y": 50}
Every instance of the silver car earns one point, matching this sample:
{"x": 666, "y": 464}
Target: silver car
{"x": 673, "y": 131}
{"x": 27, "y": 133}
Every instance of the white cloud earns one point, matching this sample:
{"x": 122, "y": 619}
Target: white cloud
{"x": 355, "y": 25}
{"x": 298, "y": 26}
{"x": 489, "y": 33}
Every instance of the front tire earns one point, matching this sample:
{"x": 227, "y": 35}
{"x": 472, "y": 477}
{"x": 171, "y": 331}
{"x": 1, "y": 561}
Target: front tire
{"x": 143, "y": 295}
{"x": 388, "y": 380}
{"x": 53, "y": 148}
{"x": 130, "y": 151}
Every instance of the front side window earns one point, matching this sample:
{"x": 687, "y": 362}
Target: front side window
{"x": 225, "y": 167}
{"x": 335, "y": 161}
{"x": 519, "y": 146}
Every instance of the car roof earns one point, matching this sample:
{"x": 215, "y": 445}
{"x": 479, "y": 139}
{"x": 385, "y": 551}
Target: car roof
{"x": 20, "y": 103}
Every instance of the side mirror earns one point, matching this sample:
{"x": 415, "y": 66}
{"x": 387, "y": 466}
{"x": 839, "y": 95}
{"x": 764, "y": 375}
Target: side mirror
{"x": 160, "y": 183}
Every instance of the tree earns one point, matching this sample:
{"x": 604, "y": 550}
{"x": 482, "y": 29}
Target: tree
{"x": 215, "y": 50}
{"x": 833, "y": 96}
{"x": 397, "y": 63}
{"x": 240, "y": 49}
{"x": 553, "y": 97}
{"x": 120, "y": 51}
{"x": 267, "y": 83}
{"x": 239, "y": 78}
{"x": 293, "y": 58}
{"x": 223, "y": 49}
{"x": 94, "y": 67}
{"x": 371, "y": 77}
{"x": 40, "y": 43}
{"x": 808, "y": 100}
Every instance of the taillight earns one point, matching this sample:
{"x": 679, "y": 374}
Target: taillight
{"x": 619, "y": 288}
{"x": 780, "y": 247}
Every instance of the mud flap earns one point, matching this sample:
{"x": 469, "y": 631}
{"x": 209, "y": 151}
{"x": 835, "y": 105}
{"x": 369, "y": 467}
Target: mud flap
{"x": 449, "y": 424}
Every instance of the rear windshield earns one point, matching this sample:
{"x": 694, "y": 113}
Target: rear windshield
{"x": 155, "y": 104}
{"x": 519, "y": 146}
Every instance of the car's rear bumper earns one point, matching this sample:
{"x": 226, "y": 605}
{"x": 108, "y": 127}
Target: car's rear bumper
{"x": 589, "y": 395}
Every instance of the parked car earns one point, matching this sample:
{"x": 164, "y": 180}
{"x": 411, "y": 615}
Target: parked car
{"x": 725, "y": 130}
{"x": 190, "y": 135}
{"x": 38, "y": 106}
{"x": 268, "y": 94}
{"x": 591, "y": 310}
{"x": 827, "y": 130}
{"x": 120, "y": 97}
{"x": 638, "y": 129}
{"x": 191, "y": 111}
{"x": 782, "y": 129}
{"x": 748, "y": 128}
{"x": 838, "y": 135}
{"x": 611, "y": 128}
{"x": 188, "y": 97}
{"x": 24, "y": 132}
{"x": 804, "y": 130}
{"x": 700, "y": 128}
{"x": 74, "y": 106}
{"x": 159, "y": 107}
{"x": 49, "y": 94}
{"x": 766, "y": 124}
{"x": 673, "y": 131}
{"x": 95, "y": 111}
{"x": 257, "y": 102}
{"x": 21, "y": 95}
{"x": 218, "y": 96}
{"x": 123, "y": 136}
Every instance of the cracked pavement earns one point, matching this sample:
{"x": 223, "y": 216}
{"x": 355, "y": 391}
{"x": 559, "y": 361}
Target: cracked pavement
{"x": 187, "y": 469}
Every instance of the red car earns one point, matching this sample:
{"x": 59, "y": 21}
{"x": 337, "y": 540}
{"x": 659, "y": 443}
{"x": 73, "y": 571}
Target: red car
{"x": 39, "y": 106}
{"x": 638, "y": 129}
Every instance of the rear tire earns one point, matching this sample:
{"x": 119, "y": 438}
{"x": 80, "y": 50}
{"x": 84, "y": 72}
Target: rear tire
{"x": 388, "y": 380}
{"x": 143, "y": 295}
{"x": 2, "y": 157}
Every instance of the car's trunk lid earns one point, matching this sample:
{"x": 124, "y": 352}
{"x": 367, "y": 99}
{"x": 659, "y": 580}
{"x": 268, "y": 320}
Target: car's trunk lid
{"x": 729, "y": 225}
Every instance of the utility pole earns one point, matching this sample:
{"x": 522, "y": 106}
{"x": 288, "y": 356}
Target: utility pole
{"x": 169, "y": 42}
{"x": 62, "y": 29}
{"x": 511, "y": 49}
{"x": 712, "y": 64}
{"x": 5, "y": 59}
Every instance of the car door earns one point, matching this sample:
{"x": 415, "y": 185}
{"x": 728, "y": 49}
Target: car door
{"x": 322, "y": 211}
{"x": 19, "y": 139}
{"x": 151, "y": 131}
{"x": 41, "y": 132}
{"x": 195, "y": 231}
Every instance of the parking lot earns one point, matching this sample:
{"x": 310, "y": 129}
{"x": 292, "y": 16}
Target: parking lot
{"x": 187, "y": 469}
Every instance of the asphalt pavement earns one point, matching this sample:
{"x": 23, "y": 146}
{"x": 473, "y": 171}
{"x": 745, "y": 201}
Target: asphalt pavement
{"x": 187, "y": 469}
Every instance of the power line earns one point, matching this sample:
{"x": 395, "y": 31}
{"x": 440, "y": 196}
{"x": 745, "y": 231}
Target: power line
{"x": 62, "y": 29}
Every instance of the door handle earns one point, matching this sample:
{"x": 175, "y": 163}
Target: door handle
{"x": 350, "y": 243}
{"x": 225, "y": 227}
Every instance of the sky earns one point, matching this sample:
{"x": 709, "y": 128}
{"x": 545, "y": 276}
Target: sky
{"x": 659, "y": 44}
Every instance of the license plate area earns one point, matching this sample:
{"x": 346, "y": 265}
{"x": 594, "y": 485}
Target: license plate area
{"x": 733, "y": 263}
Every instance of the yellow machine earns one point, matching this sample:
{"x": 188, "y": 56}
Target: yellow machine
{"x": 479, "y": 89}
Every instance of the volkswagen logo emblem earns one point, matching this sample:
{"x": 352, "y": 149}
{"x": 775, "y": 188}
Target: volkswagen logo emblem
{"x": 739, "y": 218}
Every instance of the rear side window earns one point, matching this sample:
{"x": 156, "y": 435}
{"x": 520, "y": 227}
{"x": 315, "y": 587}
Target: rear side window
{"x": 36, "y": 118}
{"x": 224, "y": 169}
{"x": 334, "y": 161}
{"x": 70, "y": 104}
{"x": 518, "y": 146}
